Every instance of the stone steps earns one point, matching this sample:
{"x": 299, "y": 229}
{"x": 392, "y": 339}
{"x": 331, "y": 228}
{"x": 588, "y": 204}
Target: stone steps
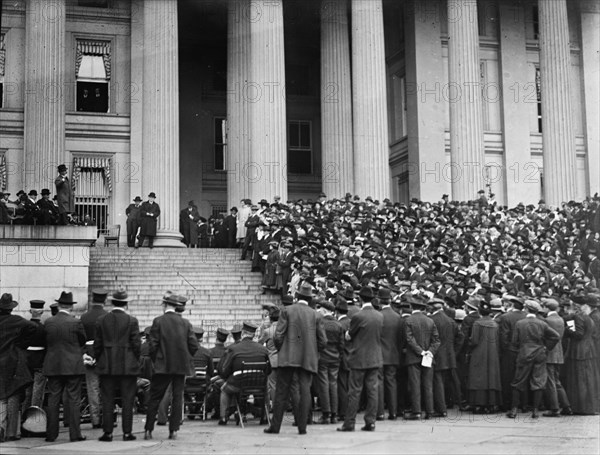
{"x": 221, "y": 289}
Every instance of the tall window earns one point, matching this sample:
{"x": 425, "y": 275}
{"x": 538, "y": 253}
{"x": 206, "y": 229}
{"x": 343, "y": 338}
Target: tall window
{"x": 220, "y": 143}
{"x": 93, "y": 184}
{"x": 538, "y": 90}
{"x": 2, "y": 60}
{"x": 93, "y": 75}
{"x": 535, "y": 16}
{"x": 398, "y": 98}
{"x": 299, "y": 157}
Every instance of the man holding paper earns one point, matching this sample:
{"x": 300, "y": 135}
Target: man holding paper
{"x": 423, "y": 341}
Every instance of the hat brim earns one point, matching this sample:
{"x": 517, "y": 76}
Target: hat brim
{"x": 9, "y": 306}
{"x": 65, "y": 302}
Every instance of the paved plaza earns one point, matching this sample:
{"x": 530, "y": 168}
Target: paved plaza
{"x": 458, "y": 434}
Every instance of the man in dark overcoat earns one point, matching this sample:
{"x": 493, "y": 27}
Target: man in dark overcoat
{"x": 390, "y": 344}
{"x": 63, "y": 366}
{"x": 48, "y": 211}
{"x": 149, "y": 213}
{"x": 508, "y": 350}
{"x": 365, "y": 360}
{"x": 422, "y": 339}
{"x": 16, "y": 334}
{"x": 64, "y": 195}
{"x": 117, "y": 350}
{"x": 299, "y": 338}
{"x": 172, "y": 344}
{"x": 133, "y": 212}
{"x": 451, "y": 340}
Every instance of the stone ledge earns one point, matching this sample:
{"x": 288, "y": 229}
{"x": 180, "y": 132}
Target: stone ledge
{"x": 52, "y": 235}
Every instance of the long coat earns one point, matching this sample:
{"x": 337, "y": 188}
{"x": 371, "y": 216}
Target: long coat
{"x": 451, "y": 339}
{"x": 188, "y": 225}
{"x": 149, "y": 214}
{"x": 64, "y": 195}
{"x": 172, "y": 344}
{"x": 555, "y": 356}
{"x": 484, "y": 368}
{"x": 365, "y": 331}
{"x": 15, "y": 335}
{"x": 65, "y": 339}
{"x": 391, "y": 336}
{"x": 299, "y": 337}
{"x": 89, "y": 319}
{"x": 117, "y": 345}
{"x": 421, "y": 335}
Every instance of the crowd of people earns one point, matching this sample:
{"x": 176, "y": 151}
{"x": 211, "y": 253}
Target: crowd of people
{"x": 28, "y": 209}
{"x": 407, "y": 308}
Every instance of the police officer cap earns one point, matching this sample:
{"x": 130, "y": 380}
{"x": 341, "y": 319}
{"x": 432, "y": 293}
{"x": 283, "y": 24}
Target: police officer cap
{"x": 222, "y": 334}
{"x": 37, "y": 304}
{"x": 99, "y": 295}
{"x": 198, "y": 331}
{"x": 249, "y": 327}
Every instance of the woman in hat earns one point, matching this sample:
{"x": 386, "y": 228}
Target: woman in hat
{"x": 484, "y": 386}
{"x": 271, "y": 278}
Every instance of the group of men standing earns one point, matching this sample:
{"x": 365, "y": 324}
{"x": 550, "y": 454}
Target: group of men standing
{"x": 142, "y": 221}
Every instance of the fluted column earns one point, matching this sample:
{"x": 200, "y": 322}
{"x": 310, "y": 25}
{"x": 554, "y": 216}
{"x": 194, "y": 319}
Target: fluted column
{"x": 267, "y": 174}
{"x": 467, "y": 152}
{"x": 336, "y": 100}
{"x": 238, "y": 156}
{"x": 558, "y": 138}
{"x": 160, "y": 159}
{"x": 44, "y": 112}
{"x": 369, "y": 101}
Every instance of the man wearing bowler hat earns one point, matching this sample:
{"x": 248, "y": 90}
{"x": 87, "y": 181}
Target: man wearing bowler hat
{"x": 244, "y": 351}
{"x": 149, "y": 213}
{"x": 172, "y": 344}
{"x": 16, "y": 334}
{"x": 48, "y": 211}
{"x": 117, "y": 350}
{"x": 64, "y": 195}
{"x": 365, "y": 360}
{"x": 92, "y": 380}
{"x": 63, "y": 366}
{"x": 133, "y": 212}
{"x": 299, "y": 337}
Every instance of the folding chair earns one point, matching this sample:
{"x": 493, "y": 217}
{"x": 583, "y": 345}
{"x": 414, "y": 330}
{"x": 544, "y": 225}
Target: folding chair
{"x": 195, "y": 391}
{"x": 252, "y": 381}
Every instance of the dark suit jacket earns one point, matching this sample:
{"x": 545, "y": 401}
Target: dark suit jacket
{"x": 299, "y": 337}
{"x": 366, "y": 328}
{"x": 345, "y": 323}
{"x": 244, "y": 351}
{"x": 421, "y": 335}
{"x": 532, "y": 335}
{"x": 451, "y": 340}
{"x": 172, "y": 344}
{"x": 507, "y": 323}
{"x": 391, "y": 337}
{"x": 117, "y": 346}
{"x": 335, "y": 341}
{"x": 89, "y": 319}
{"x": 16, "y": 334}
{"x": 65, "y": 339}
{"x": 149, "y": 214}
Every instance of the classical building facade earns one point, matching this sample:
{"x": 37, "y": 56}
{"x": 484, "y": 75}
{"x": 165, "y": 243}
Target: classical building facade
{"x": 214, "y": 101}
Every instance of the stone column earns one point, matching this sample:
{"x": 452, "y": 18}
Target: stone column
{"x": 238, "y": 156}
{"x": 558, "y": 137}
{"x": 336, "y": 100}
{"x": 426, "y": 121}
{"x": 267, "y": 173}
{"x": 467, "y": 150}
{"x": 590, "y": 58}
{"x": 369, "y": 101}
{"x": 160, "y": 160}
{"x": 44, "y": 111}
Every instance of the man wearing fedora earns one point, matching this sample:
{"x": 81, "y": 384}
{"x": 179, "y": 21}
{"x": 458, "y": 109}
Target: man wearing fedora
{"x": 133, "y": 212}
{"x": 422, "y": 339}
{"x": 48, "y": 211}
{"x": 92, "y": 380}
{"x": 299, "y": 337}
{"x": 16, "y": 334}
{"x": 149, "y": 213}
{"x": 63, "y": 366}
{"x": 117, "y": 350}
{"x": 365, "y": 360}
{"x": 172, "y": 344}
{"x": 64, "y": 195}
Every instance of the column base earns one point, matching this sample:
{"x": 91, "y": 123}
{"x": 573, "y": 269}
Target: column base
{"x": 168, "y": 239}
